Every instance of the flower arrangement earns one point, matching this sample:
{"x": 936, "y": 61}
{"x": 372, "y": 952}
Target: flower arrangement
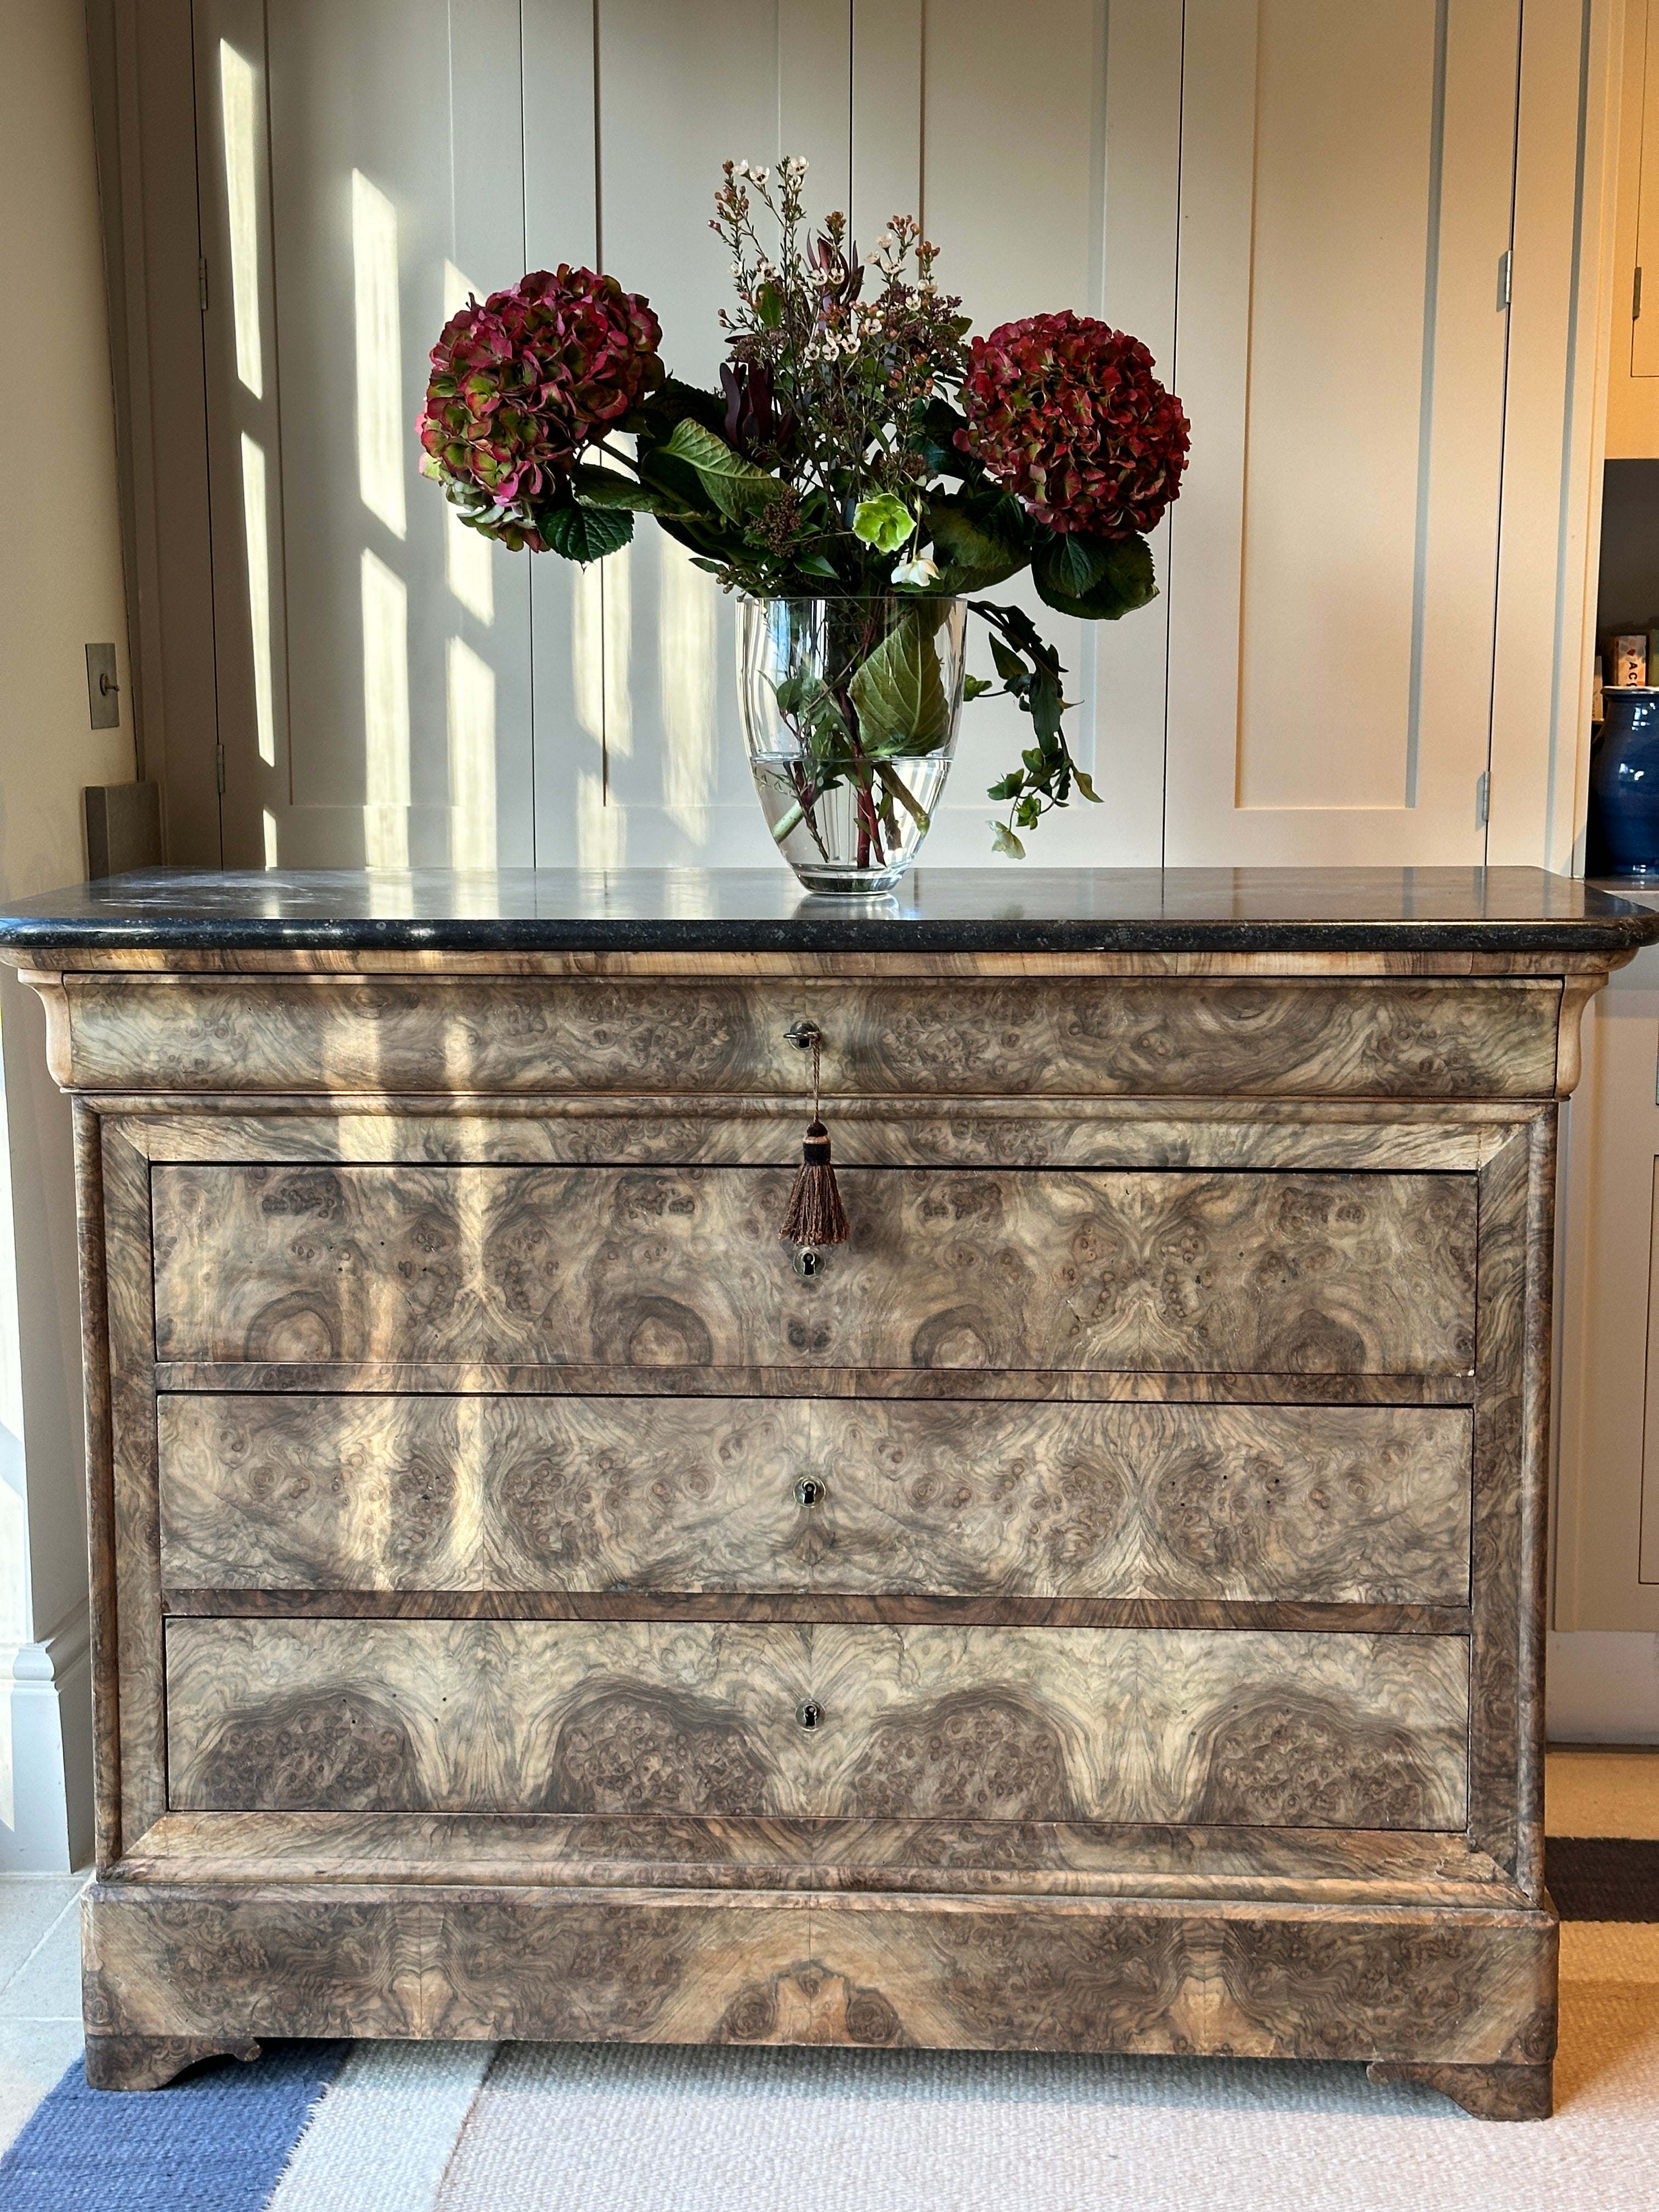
{"x": 862, "y": 452}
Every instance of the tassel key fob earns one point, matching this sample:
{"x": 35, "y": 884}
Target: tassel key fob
{"x": 815, "y": 1216}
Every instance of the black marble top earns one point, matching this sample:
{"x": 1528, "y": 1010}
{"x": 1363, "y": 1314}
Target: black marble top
{"x": 1011, "y": 908}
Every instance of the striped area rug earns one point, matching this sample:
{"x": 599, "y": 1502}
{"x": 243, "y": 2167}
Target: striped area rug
{"x": 516, "y": 2128}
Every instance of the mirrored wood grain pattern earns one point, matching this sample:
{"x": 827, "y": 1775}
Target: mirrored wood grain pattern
{"x": 958, "y": 1973}
{"x": 1247, "y": 1036}
{"x": 683, "y": 1268}
{"x": 429, "y": 1493}
{"x": 1236, "y": 1727}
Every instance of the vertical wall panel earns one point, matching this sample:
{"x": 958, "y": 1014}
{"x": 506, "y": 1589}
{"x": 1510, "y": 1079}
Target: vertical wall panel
{"x": 1342, "y": 352}
{"x": 561, "y": 221}
{"x": 242, "y": 351}
{"x": 1026, "y": 153}
{"x": 393, "y": 186}
{"x": 649, "y": 769}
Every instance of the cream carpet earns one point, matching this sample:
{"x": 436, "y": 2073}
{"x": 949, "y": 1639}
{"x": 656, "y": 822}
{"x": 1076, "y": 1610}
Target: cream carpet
{"x": 614, "y": 2129}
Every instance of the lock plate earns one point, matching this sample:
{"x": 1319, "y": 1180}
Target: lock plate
{"x": 809, "y": 1491}
{"x": 808, "y": 1262}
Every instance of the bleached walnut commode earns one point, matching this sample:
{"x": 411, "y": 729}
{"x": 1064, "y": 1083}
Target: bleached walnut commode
{"x": 1099, "y": 1608}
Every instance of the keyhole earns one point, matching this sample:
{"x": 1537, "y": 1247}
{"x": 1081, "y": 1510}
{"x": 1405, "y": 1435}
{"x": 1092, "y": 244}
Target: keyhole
{"x": 807, "y": 1262}
{"x": 808, "y": 1491}
{"x": 809, "y": 1714}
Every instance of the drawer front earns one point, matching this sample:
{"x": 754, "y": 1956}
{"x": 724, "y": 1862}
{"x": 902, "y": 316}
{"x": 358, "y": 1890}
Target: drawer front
{"x": 1339, "y": 1504}
{"x": 667, "y": 1267}
{"x": 1241, "y": 1727}
{"x": 1202, "y": 1037}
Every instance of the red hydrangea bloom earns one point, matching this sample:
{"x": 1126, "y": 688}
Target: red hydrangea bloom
{"x": 1064, "y": 412}
{"x": 520, "y": 385}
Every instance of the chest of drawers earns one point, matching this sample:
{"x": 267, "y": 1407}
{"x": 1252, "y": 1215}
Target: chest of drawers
{"x": 1098, "y": 1607}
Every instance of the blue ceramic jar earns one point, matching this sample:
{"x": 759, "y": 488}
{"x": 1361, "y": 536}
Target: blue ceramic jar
{"x": 1624, "y": 783}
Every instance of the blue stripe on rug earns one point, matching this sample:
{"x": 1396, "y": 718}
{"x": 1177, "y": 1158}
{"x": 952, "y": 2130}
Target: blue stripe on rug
{"x": 217, "y": 2141}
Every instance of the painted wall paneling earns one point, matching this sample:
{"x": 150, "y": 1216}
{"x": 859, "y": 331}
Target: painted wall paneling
{"x": 144, "y": 99}
{"x": 394, "y": 634}
{"x": 1342, "y": 353}
{"x": 1371, "y": 594}
{"x": 1633, "y": 383}
{"x": 1606, "y": 1573}
{"x": 1564, "y": 292}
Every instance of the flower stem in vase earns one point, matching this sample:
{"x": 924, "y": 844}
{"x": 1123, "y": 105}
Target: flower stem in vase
{"x": 807, "y": 795}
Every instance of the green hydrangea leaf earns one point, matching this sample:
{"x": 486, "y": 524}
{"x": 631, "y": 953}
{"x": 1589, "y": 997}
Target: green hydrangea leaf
{"x": 585, "y": 533}
{"x": 978, "y": 540}
{"x": 605, "y": 488}
{"x": 899, "y": 691}
{"x": 938, "y": 424}
{"x": 672, "y": 402}
{"x": 1097, "y": 579}
{"x": 736, "y": 487}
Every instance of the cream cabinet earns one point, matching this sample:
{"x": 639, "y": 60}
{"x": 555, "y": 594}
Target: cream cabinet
{"x": 1633, "y": 376}
{"x": 1607, "y": 1550}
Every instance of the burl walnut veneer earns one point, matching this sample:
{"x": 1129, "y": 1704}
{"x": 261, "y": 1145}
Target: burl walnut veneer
{"x": 1100, "y": 1608}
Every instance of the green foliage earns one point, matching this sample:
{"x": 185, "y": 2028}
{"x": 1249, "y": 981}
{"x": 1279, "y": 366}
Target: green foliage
{"x": 1031, "y": 673}
{"x": 673, "y": 401}
{"x": 979, "y": 538}
{"x": 899, "y": 692}
{"x": 585, "y": 533}
{"x": 605, "y": 488}
{"x": 937, "y": 427}
{"x": 1097, "y": 578}
{"x": 736, "y": 487}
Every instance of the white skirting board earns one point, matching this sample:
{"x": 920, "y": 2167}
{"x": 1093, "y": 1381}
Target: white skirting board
{"x": 46, "y": 1753}
{"x": 1602, "y": 1687}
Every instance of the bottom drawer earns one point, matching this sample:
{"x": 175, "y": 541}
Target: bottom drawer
{"x": 1264, "y": 1727}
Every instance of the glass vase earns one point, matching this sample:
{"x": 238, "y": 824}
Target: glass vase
{"x": 849, "y": 712}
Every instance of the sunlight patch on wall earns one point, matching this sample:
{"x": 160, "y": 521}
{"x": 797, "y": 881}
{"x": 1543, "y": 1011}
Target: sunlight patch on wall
{"x": 386, "y": 716}
{"x": 255, "y": 526}
{"x": 239, "y": 109}
{"x": 687, "y": 616}
{"x": 268, "y": 824}
{"x": 601, "y": 642}
{"x": 467, "y": 556}
{"x": 380, "y": 428}
{"x": 587, "y": 649}
{"x": 601, "y": 830}
{"x": 471, "y": 689}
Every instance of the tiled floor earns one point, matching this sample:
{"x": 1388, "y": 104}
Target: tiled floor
{"x": 40, "y": 1989}
{"x": 1589, "y": 1792}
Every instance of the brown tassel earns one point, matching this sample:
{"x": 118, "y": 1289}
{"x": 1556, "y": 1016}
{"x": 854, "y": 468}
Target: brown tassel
{"x": 816, "y": 1216}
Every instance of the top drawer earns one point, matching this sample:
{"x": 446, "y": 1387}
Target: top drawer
{"x": 677, "y": 1267}
{"x": 1041, "y": 1036}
